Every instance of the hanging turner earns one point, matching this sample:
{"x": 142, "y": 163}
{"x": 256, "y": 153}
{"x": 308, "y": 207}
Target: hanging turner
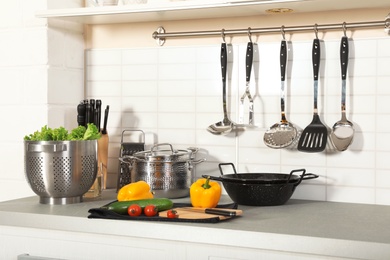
{"x": 314, "y": 136}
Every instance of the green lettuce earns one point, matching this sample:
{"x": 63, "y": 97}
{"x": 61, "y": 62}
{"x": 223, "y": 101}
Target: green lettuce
{"x": 90, "y": 132}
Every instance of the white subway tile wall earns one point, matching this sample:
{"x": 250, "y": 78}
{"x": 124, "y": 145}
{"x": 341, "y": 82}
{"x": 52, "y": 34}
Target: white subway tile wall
{"x": 174, "y": 93}
{"x": 41, "y": 75}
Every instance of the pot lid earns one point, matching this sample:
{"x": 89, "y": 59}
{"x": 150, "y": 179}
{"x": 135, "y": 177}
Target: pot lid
{"x": 165, "y": 154}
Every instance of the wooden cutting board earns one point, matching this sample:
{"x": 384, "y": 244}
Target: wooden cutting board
{"x": 199, "y": 213}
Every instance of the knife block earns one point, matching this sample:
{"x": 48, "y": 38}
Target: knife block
{"x": 101, "y": 177}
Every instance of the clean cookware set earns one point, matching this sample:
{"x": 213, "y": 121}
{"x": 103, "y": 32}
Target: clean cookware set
{"x": 284, "y": 134}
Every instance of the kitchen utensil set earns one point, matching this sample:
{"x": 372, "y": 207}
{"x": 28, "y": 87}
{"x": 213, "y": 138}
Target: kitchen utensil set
{"x": 284, "y": 134}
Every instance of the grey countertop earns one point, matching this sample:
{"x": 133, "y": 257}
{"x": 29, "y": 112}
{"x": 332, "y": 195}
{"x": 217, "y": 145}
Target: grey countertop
{"x": 316, "y": 227}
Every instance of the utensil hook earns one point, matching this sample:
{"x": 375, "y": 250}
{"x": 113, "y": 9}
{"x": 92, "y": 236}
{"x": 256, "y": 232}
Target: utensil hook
{"x": 223, "y": 35}
{"x": 316, "y": 30}
{"x": 249, "y": 34}
{"x": 345, "y": 29}
{"x": 283, "y": 32}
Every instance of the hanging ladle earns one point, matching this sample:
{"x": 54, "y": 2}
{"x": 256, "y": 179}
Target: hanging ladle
{"x": 283, "y": 133}
{"x": 226, "y": 125}
{"x": 343, "y": 131}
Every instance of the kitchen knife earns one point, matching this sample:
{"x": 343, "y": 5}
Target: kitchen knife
{"x": 81, "y": 114}
{"x": 104, "y": 130}
{"x": 98, "y": 118}
{"x": 92, "y": 111}
{"x": 87, "y": 113}
{"x": 215, "y": 211}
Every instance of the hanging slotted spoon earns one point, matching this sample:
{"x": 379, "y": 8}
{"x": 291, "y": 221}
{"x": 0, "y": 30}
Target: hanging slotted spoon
{"x": 314, "y": 136}
{"x": 343, "y": 131}
{"x": 283, "y": 133}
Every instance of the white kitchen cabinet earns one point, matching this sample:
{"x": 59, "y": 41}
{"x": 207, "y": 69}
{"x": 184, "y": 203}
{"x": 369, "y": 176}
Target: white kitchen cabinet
{"x": 55, "y": 244}
{"x": 198, "y": 9}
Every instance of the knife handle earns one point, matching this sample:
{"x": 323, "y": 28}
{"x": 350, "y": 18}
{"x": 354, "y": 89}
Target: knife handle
{"x": 81, "y": 114}
{"x": 220, "y": 212}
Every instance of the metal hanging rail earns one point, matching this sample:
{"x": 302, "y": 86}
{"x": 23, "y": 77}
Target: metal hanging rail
{"x": 160, "y": 35}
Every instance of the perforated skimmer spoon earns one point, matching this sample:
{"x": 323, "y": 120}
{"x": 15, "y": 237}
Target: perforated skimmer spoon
{"x": 343, "y": 131}
{"x": 283, "y": 133}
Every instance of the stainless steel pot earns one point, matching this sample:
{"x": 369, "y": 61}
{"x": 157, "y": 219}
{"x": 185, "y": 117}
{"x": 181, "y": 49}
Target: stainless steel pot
{"x": 169, "y": 172}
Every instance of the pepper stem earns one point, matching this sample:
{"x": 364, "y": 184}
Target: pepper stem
{"x": 207, "y": 185}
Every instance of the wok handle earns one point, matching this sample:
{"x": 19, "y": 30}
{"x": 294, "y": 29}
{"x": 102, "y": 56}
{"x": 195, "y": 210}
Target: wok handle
{"x": 214, "y": 178}
{"x": 306, "y": 176}
{"x": 309, "y": 176}
{"x": 294, "y": 171}
{"x": 222, "y": 164}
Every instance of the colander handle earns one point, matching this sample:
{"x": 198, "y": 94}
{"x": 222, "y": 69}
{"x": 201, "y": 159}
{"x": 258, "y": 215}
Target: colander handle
{"x": 46, "y": 148}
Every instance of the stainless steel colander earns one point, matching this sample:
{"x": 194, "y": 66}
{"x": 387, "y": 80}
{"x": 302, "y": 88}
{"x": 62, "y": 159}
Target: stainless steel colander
{"x": 60, "y": 172}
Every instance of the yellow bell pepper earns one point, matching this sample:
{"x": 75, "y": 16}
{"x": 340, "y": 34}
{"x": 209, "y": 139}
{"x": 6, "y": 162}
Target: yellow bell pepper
{"x": 135, "y": 191}
{"x": 205, "y": 193}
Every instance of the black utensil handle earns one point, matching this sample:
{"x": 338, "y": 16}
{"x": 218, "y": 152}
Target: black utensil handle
{"x": 344, "y": 54}
{"x": 220, "y": 212}
{"x": 99, "y": 113}
{"x": 309, "y": 176}
{"x": 283, "y": 59}
{"x": 81, "y": 114}
{"x": 249, "y": 60}
{"x": 104, "y": 131}
{"x": 316, "y": 57}
{"x": 224, "y": 61}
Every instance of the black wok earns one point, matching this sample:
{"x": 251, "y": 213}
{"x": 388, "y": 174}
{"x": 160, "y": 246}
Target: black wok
{"x": 258, "y": 191}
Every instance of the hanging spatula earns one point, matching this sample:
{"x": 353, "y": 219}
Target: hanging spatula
{"x": 314, "y": 136}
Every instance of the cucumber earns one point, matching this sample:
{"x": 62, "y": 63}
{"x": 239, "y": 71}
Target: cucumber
{"x": 120, "y": 207}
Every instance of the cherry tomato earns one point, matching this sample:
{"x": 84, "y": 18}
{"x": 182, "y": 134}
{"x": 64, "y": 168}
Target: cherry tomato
{"x": 172, "y": 213}
{"x": 134, "y": 210}
{"x": 150, "y": 210}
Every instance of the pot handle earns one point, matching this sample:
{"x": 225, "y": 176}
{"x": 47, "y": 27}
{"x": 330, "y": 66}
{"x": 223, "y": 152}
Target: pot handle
{"x": 191, "y": 163}
{"x": 156, "y": 145}
{"x": 231, "y": 164}
{"x": 128, "y": 159}
{"x": 214, "y": 178}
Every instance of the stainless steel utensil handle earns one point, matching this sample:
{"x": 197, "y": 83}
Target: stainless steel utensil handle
{"x": 152, "y": 151}
{"x": 283, "y": 63}
{"x": 344, "y": 55}
{"x": 316, "y": 57}
{"x": 224, "y": 72}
